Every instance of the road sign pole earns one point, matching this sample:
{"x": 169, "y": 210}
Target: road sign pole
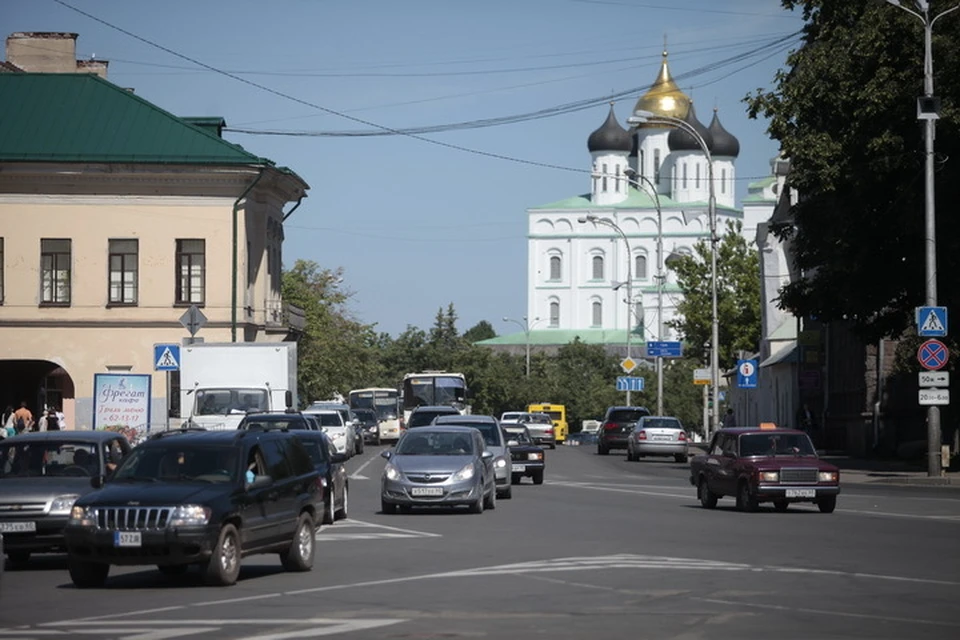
{"x": 168, "y": 401}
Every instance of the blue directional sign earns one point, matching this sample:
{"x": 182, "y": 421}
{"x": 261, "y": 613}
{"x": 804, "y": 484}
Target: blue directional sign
{"x": 932, "y": 322}
{"x": 629, "y": 383}
{"x": 166, "y": 357}
{"x": 664, "y": 349}
{"x": 747, "y": 374}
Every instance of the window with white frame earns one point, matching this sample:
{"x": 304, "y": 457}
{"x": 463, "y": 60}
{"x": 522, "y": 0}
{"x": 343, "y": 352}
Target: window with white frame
{"x": 123, "y": 271}
{"x": 554, "y": 314}
{"x": 640, "y": 267}
{"x": 684, "y": 175}
{"x": 55, "y": 270}
{"x": 604, "y": 178}
{"x": 555, "y": 264}
{"x": 723, "y": 181}
{"x": 637, "y": 322}
{"x": 696, "y": 182}
{"x": 191, "y": 271}
{"x": 597, "y": 267}
{"x": 656, "y": 166}
{"x": 596, "y": 311}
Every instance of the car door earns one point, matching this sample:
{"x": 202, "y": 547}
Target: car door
{"x": 255, "y": 500}
{"x": 728, "y": 464}
{"x": 281, "y": 497}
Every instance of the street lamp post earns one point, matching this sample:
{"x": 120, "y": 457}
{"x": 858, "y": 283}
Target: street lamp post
{"x": 640, "y": 117}
{"x": 525, "y": 325}
{"x": 613, "y": 225}
{"x": 928, "y": 112}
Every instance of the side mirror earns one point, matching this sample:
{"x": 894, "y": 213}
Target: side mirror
{"x": 513, "y": 443}
{"x": 288, "y": 399}
{"x": 386, "y": 454}
{"x": 260, "y": 481}
{"x": 96, "y": 482}
{"x": 730, "y": 454}
{"x": 487, "y": 455}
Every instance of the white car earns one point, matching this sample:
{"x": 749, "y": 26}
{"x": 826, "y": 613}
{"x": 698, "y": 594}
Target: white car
{"x": 340, "y": 434}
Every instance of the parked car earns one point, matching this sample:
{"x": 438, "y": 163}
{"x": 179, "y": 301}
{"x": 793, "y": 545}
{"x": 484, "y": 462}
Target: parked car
{"x": 658, "y": 436}
{"x": 336, "y": 484}
{"x": 189, "y": 497}
{"x": 343, "y": 436}
{"x": 489, "y": 428}
{"x": 764, "y": 464}
{"x": 526, "y": 457}
{"x": 369, "y": 425}
{"x": 422, "y": 416}
{"x": 42, "y": 473}
{"x": 616, "y": 426}
{"x": 438, "y": 466}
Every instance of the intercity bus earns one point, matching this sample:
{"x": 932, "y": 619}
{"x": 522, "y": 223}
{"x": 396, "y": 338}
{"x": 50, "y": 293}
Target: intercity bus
{"x": 558, "y": 414}
{"x": 386, "y": 404}
{"x": 434, "y": 388}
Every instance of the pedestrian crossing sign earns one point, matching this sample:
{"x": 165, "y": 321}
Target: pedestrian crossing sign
{"x": 166, "y": 357}
{"x": 932, "y": 322}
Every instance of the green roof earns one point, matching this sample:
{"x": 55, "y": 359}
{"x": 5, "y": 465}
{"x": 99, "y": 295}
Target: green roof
{"x": 80, "y": 117}
{"x": 564, "y": 336}
{"x": 635, "y": 200}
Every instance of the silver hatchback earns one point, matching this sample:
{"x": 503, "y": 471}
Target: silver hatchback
{"x": 438, "y": 466}
{"x": 658, "y": 436}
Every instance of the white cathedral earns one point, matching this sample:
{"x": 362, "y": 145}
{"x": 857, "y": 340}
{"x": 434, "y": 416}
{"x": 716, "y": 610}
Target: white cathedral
{"x": 578, "y": 270}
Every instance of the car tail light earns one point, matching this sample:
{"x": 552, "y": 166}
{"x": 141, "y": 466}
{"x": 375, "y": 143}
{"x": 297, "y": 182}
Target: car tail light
{"x": 682, "y": 437}
{"x": 549, "y": 432}
{"x": 607, "y": 426}
{"x": 642, "y": 435}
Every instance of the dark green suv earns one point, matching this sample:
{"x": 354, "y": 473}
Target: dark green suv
{"x": 205, "y": 498}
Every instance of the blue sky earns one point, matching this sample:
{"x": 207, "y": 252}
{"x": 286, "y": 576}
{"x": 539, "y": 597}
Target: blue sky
{"x": 414, "y": 224}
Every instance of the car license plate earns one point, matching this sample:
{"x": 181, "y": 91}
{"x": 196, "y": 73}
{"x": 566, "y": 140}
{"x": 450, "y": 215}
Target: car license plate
{"x": 519, "y": 467}
{"x": 801, "y": 493}
{"x": 17, "y": 527}
{"x": 126, "y": 539}
{"x": 660, "y": 437}
{"x": 426, "y": 491}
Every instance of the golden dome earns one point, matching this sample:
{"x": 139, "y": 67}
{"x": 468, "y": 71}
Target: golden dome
{"x": 664, "y": 98}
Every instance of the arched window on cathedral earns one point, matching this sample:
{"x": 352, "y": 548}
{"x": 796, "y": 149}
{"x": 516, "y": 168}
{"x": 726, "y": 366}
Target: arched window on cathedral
{"x": 554, "y": 314}
{"x": 597, "y": 313}
{"x": 640, "y": 267}
{"x": 555, "y": 267}
{"x": 598, "y": 267}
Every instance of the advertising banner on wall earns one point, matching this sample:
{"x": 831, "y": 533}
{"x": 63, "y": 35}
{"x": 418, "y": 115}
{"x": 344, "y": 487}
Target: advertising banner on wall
{"x": 121, "y": 402}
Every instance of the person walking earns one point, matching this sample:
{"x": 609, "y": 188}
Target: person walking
{"x": 6, "y": 423}
{"x": 23, "y": 418}
{"x": 729, "y": 420}
{"x": 49, "y": 421}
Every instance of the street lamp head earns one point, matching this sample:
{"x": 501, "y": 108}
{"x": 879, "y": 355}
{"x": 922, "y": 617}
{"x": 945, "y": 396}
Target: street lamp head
{"x": 506, "y": 319}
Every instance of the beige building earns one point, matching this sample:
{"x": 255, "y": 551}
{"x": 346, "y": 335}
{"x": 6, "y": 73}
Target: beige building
{"x": 115, "y": 218}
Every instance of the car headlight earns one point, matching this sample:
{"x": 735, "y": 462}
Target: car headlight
{"x": 828, "y": 476}
{"x": 534, "y": 456}
{"x": 500, "y": 463}
{"x": 391, "y": 472}
{"x": 770, "y": 476}
{"x": 189, "y": 515}
{"x": 82, "y": 517}
{"x": 62, "y": 505}
{"x": 464, "y": 474}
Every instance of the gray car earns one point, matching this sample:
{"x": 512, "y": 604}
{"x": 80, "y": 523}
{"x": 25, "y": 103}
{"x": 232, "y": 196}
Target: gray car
{"x": 438, "y": 466}
{"x": 658, "y": 436}
{"x": 489, "y": 428}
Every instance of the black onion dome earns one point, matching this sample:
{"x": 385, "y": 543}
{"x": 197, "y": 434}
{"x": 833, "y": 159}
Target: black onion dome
{"x": 724, "y": 142}
{"x": 680, "y": 140}
{"x": 610, "y": 136}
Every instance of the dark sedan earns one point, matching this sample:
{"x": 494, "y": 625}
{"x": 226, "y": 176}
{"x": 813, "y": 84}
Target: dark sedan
{"x": 336, "y": 485}
{"x": 41, "y": 475}
{"x": 527, "y": 458}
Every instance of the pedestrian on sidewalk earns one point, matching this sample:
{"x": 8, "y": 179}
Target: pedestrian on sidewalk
{"x": 729, "y": 420}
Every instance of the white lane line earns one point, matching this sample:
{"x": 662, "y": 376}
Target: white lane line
{"x": 361, "y": 524}
{"x": 356, "y": 474}
{"x": 827, "y": 612}
{"x": 622, "y": 489}
{"x": 890, "y": 514}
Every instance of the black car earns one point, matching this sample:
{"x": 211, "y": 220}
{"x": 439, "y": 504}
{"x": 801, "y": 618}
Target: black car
{"x": 369, "y": 425}
{"x": 195, "y": 497}
{"x": 424, "y": 415}
{"x": 278, "y": 420}
{"x": 330, "y": 466}
{"x": 527, "y": 459}
{"x": 42, "y": 473}
{"x": 616, "y": 426}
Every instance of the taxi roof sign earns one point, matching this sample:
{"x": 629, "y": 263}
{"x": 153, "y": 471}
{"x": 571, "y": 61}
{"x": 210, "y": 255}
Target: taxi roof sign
{"x": 768, "y": 425}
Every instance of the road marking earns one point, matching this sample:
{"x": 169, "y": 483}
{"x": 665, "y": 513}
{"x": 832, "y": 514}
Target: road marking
{"x": 165, "y": 629}
{"x": 356, "y": 474}
{"x": 844, "y": 614}
{"x": 634, "y": 489}
{"x": 889, "y": 514}
{"x": 336, "y": 532}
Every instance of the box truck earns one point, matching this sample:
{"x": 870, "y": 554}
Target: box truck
{"x": 220, "y": 382}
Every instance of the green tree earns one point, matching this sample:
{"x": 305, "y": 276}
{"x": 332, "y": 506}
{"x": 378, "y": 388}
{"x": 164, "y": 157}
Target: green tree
{"x": 483, "y": 330}
{"x": 844, "y": 112}
{"x": 738, "y": 296}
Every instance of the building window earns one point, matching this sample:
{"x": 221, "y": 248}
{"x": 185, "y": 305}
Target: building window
{"x": 637, "y": 322}
{"x": 1, "y": 270}
{"x": 191, "y": 271}
{"x": 696, "y": 182}
{"x": 554, "y": 314}
{"x": 684, "y": 175}
{"x": 656, "y": 166}
{"x": 597, "y": 314}
{"x": 598, "y": 267}
{"x": 723, "y": 181}
{"x": 55, "y": 271}
{"x": 554, "y": 267}
{"x": 640, "y": 267}
{"x": 604, "y": 187}
{"x": 640, "y": 165}
{"x": 123, "y": 271}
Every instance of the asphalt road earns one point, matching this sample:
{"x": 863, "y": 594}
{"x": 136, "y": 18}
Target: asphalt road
{"x": 603, "y": 549}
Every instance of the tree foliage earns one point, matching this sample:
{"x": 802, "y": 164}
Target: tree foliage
{"x": 844, "y": 112}
{"x": 738, "y": 296}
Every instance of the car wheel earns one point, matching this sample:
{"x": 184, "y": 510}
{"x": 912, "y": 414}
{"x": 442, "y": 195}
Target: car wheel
{"x": 223, "y": 567}
{"x": 680, "y": 458}
{"x": 299, "y": 557}
{"x": 328, "y": 508}
{"x": 708, "y": 499}
{"x": 173, "y": 570}
{"x": 745, "y": 500}
{"x": 553, "y": 445}
{"x": 86, "y": 575}
{"x": 387, "y": 507}
{"x": 516, "y": 478}
{"x": 490, "y": 502}
{"x": 827, "y": 504}
{"x": 631, "y": 457}
{"x": 341, "y": 513}
{"x": 507, "y": 493}
{"x": 538, "y": 477}
{"x": 18, "y": 559}
{"x": 602, "y": 450}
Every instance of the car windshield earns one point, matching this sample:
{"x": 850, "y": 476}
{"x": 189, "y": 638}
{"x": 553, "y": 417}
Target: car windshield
{"x": 332, "y": 419}
{"x": 776, "y": 444}
{"x": 518, "y": 435}
{"x": 33, "y": 459}
{"x": 223, "y": 401}
{"x": 436, "y": 444}
{"x": 366, "y": 416}
{"x": 540, "y": 418}
{"x": 423, "y": 418}
{"x": 627, "y": 415}
{"x": 279, "y": 421}
{"x": 661, "y": 423}
{"x": 169, "y": 462}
